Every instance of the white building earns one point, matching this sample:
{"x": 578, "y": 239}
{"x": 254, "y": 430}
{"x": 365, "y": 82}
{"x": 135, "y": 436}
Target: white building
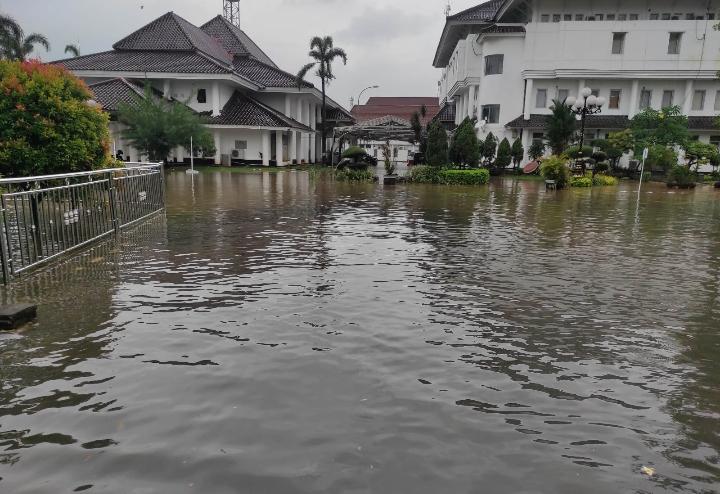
{"x": 505, "y": 61}
{"x": 256, "y": 111}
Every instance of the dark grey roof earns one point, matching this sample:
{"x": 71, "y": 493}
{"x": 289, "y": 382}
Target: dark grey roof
{"x": 264, "y": 74}
{"x": 484, "y": 12}
{"x": 593, "y": 122}
{"x": 173, "y": 33}
{"x": 246, "y": 111}
{"x": 446, "y": 113}
{"x": 146, "y": 61}
{"x": 500, "y": 29}
{"x": 234, "y": 39}
{"x": 339, "y": 115}
{"x": 703, "y": 123}
{"x": 113, "y": 93}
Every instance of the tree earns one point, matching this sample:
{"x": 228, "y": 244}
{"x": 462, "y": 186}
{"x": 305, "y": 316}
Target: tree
{"x": 504, "y": 155}
{"x": 46, "y": 125}
{"x": 517, "y": 153}
{"x": 699, "y": 153}
{"x": 73, "y": 50}
{"x": 555, "y": 168}
{"x": 666, "y": 127}
{"x": 437, "y": 145}
{"x": 537, "y": 150}
{"x": 155, "y": 126}
{"x": 14, "y": 44}
{"x": 324, "y": 53}
{"x": 488, "y": 148}
{"x": 560, "y": 127}
{"x": 464, "y": 148}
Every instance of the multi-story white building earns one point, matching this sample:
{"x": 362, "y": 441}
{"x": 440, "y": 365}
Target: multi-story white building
{"x": 505, "y": 61}
{"x": 256, "y": 112}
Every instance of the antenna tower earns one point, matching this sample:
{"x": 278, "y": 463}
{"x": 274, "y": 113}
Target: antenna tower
{"x": 231, "y": 11}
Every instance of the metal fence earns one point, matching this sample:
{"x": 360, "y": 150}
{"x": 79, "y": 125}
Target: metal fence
{"x": 43, "y": 218}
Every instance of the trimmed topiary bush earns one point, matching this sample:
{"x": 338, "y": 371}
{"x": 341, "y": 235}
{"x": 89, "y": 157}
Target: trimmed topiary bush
{"x": 464, "y": 177}
{"x": 601, "y": 180}
{"x": 354, "y": 153}
{"x": 581, "y": 182}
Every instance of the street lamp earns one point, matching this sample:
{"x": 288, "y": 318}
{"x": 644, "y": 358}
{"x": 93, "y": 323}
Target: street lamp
{"x": 586, "y": 104}
{"x": 359, "y": 100}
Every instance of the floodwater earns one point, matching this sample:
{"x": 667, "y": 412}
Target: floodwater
{"x": 273, "y": 334}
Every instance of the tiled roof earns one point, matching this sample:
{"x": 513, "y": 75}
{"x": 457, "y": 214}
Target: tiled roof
{"x": 113, "y": 93}
{"x": 264, "y": 74}
{"x": 339, "y": 115}
{"x": 446, "y": 113}
{"x": 593, "y": 122}
{"x": 234, "y": 39}
{"x": 173, "y": 33}
{"x": 498, "y": 29}
{"x": 401, "y": 107}
{"x": 484, "y": 12}
{"x": 703, "y": 123}
{"x": 145, "y": 61}
{"x": 246, "y": 111}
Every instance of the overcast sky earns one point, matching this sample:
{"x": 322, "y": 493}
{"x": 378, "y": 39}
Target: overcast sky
{"x": 390, "y": 43}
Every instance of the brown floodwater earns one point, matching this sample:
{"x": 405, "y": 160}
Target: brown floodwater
{"x": 276, "y": 334}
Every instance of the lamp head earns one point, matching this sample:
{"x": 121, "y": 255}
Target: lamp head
{"x": 586, "y": 92}
{"x": 592, "y": 100}
{"x": 601, "y": 101}
{"x": 570, "y": 101}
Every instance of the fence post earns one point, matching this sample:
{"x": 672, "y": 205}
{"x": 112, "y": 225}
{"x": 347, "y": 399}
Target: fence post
{"x": 114, "y": 206}
{"x": 162, "y": 184}
{"x": 4, "y": 240}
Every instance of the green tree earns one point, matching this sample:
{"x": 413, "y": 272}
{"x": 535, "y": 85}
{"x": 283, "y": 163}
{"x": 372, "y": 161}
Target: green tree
{"x": 324, "y": 53}
{"x": 699, "y": 153}
{"x": 517, "y": 152}
{"x": 555, "y": 168}
{"x": 504, "y": 155}
{"x": 666, "y": 127}
{"x": 46, "y": 125}
{"x": 155, "y": 126}
{"x": 14, "y": 44}
{"x": 619, "y": 143}
{"x": 72, "y": 50}
{"x": 488, "y": 148}
{"x": 560, "y": 127}
{"x": 537, "y": 150}
{"x": 464, "y": 148}
{"x": 437, "y": 145}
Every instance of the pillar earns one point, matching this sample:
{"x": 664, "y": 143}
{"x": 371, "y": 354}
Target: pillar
{"x": 287, "y": 106}
{"x": 471, "y": 101}
{"x": 298, "y": 110}
{"x": 266, "y": 148}
{"x": 689, "y": 93}
{"x": 218, "y": 145}
{"x": 167, "y": 89}
{"x": 279, "y": 147}
{"x": 634, "y": 98}
{"x": 216, "y": 98}
{"x": 529, "y": 88}
{"x": 581, "y": 85}
{"x": 293, "y": 146}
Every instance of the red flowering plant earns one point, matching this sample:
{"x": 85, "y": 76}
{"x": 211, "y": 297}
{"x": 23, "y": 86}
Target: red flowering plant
{"x": 46, "y": 125}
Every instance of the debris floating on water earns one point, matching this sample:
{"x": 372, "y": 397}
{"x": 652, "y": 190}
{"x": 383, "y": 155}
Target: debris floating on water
{"x": 649, "y": 471}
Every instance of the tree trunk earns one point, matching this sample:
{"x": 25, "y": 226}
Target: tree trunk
{"x": 324, "y": 116}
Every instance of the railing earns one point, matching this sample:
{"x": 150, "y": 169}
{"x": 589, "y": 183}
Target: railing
{"x": 43, "y": 218}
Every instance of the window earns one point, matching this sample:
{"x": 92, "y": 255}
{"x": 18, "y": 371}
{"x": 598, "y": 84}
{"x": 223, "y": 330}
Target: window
{"x": 698, "y": 102}
{"x": 567, "y": 17}
{"x": 494, "y": 64}
{"x": 240, "y": 144}
{"x": 645, "y": 98}
{"x": 596, "y": 92}
{"x": 618, "y": 43}
{"x": 690, "y": 17}
{"x": 599, "y": 17}
{"x": 715, "y": 141}
{"x": 622, "y": 17}
{"x": 614, "y": 102}
{"x": 538, "y": 137}
{"x": 666, "y": 16}
{"x": 202, "y": 96}
{"x": 634, "y": 17}
{"x": 545, "y": 18}
{"x": 610, "y": 17}
{"x": 556, "y": 17}
{"x": 674, "y": 43}
{"x": 491, "y": 113}
{"x": 654, "y": 17}
{"x": 717, "y": 101}
{"x": 541, "y": 98}
{"x": 563, "y": 94}
{"x": 579, "y": 17}
{"x": 668, "y": 98}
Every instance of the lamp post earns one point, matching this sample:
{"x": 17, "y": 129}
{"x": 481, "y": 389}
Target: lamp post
{"x": 586, "y": 104}
{"x": 359, "y": 100}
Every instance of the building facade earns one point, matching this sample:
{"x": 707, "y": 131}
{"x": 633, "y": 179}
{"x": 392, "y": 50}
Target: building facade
{"x": 257, "y": 113}
{"x": 505, "y": 61}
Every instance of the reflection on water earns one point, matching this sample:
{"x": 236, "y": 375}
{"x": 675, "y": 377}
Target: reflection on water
{"x": 272, "y": 334}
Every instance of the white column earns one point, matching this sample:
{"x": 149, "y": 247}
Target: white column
{"x": 581, "y": 86}
{"x": 459, "y": 99}
{"x": 293, "y": 146}
{"x": 218, "y": 145}
{"x": 471, "y": 100}
{"x": 287, "y": 106}
{"x": 689, "y": 93}
{"x": 266, "y": 147}
{"x": 634, "y": 99}
{"x": 279, "y": 147}
{"x": 298, "y": 110}
{"x": 529, "y": 88}
{"x": 216, "y": 98}
{"x": 167, "y": 89}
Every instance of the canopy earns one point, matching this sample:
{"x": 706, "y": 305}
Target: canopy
{"x": 388, "y": 128}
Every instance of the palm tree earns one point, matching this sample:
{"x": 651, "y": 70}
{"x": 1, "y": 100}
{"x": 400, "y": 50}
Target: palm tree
{"x": 72, "y": 50}
{"x": 14, "y": 45}
{"x": 324, "y": 54}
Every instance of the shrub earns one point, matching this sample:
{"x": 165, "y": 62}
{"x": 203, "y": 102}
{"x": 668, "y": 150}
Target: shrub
{"x": 537, "y": 150}
{"x": 560, "y": 127}
{"x": 600, "y": 180}
{"x": 517, "y": 152}
{"x": 602, "y": 167}
{"x": 555, "y": 168}
{"x": 660, "y": 157}
{"x": 354, "y": 153}
{"x": 574, "y": 152}
{"x": 464, "y": 177}
{"x": 700, "y": 153}
{"x": 46, "y": 125}
{"x": 465, "y": 147}
{"x": 599, "y": 156}
{"x": 504, "y": 155}
{"x": 680, "y": 175}
{"x": 425, "y": 174}
{"x": 350, "y": 175}
{"x": 581, "y": 182}
{"x": 437, "y": 145}
{"x": 488, "y": 147}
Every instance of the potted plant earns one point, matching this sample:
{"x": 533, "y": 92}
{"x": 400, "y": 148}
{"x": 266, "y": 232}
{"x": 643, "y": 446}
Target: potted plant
{"x": 390, "y": 177}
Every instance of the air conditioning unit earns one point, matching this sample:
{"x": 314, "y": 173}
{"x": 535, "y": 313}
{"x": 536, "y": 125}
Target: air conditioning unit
{"x": 238, "y": 154}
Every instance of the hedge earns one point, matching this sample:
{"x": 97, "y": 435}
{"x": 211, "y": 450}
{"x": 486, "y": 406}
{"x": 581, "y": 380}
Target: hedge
{"x": 443, "y": 176}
